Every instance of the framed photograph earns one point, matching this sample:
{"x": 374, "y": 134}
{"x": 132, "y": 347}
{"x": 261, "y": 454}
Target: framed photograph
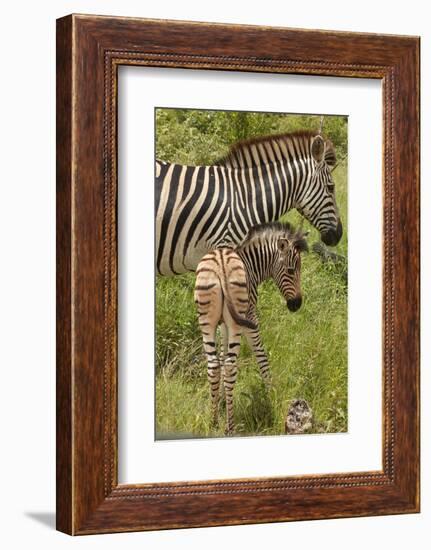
{"x": 237, "y": 274}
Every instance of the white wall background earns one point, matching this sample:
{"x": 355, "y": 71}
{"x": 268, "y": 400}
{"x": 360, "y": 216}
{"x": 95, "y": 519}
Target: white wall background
{"x": 27, "y": 286}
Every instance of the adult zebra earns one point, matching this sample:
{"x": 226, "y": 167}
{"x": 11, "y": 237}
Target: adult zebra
{"x": 199, "y": 208}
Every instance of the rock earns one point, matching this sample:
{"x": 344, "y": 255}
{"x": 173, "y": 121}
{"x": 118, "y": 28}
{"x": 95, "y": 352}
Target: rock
{"x": 299, "y": 417}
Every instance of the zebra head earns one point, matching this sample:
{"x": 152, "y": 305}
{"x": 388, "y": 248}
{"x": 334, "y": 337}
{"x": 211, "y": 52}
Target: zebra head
{"x": 317, "y": 201}
{"x": 287, "y": 270}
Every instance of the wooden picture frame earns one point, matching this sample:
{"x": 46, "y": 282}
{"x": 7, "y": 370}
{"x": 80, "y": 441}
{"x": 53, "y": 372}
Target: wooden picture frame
{"x": 89, "y": 52}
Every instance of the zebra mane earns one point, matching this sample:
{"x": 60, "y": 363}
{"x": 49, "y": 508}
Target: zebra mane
{"x": 274, "y": 148}
{"x": 282, "y": 229}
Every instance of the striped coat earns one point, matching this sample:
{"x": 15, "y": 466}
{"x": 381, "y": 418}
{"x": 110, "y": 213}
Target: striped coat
{"x": 226, "y": 293}
{"x": 199, "y": 208}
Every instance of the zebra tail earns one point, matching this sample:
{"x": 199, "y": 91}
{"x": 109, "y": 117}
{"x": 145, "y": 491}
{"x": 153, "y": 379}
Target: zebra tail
{"x": 242, "y": 321}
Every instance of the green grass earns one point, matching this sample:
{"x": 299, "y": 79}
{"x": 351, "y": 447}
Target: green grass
{"x": 307, "y": 352}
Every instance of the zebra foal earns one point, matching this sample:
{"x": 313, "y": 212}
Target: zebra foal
{"x": 226, "y": 293}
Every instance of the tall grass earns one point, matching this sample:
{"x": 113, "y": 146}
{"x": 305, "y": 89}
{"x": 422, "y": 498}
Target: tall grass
{"x": 307, "y": 351}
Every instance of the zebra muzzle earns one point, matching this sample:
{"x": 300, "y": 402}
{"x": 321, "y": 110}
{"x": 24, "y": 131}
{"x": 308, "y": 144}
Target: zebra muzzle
{"x": 333, "y": 236}
{"x": 294, "y": 304}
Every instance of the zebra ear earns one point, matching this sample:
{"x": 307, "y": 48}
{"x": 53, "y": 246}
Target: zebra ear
{"x": 300, "y": 242}
{"x": 282, "y": 244}
{"x": 318, "y": 148}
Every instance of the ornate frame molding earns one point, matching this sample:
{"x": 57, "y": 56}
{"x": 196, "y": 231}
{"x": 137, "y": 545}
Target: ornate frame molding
{"x": 89, "y": 498}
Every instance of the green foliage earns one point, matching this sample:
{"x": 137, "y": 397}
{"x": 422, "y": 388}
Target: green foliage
{"x": 307, "y": 350}
{"x": 195, "y": 137}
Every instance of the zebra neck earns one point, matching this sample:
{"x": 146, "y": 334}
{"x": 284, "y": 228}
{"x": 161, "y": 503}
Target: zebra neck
{"x": 258, "y": 258}
{"x": 268, "y": 191}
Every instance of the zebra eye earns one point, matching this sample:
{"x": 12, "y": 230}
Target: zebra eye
{"x": 291, "y": 270}
{"x": 331, "y": 187}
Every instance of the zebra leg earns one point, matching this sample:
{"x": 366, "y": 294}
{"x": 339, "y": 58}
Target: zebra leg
{"x": 213, "y": 372}
{"x": 230, "y": 373}
{"x": 223, "y": 354}
{"x": 253, "y": 338}
{"x": 208, "y": 299}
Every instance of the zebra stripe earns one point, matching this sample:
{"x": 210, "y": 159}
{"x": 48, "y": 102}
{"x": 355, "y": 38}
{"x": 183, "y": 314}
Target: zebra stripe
{"x": 226, "y": 292}
{"x": 199, "y": 208}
